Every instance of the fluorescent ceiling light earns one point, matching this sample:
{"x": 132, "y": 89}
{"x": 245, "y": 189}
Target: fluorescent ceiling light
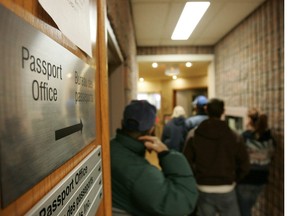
{"x": 189, "y": 18}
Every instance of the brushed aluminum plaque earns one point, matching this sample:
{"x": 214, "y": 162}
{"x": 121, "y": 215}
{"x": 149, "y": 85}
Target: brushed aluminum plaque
{"x": 95, "y": 203}
{"x": 75, "y": 192}
{"x": 47, "y": 111}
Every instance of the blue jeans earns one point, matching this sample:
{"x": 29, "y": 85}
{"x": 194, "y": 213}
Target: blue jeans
{"x": 223, "y": 204}
{"x": 247, "y": 196}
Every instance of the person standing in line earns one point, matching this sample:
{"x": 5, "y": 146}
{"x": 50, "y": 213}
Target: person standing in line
{"x": 199, "y": 103}
{"x": 139, "y": 188}
{"x": 219, "y": 159}
{"x": 260, "y": 145}
{"x": 192, "y": 122}
{"x": 174, "y": 132}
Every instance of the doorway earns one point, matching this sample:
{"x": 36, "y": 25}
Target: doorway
{"x": 185, "y": 98}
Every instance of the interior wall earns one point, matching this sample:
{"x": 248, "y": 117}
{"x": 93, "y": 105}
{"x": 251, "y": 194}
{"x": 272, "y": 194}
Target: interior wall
{"x": 211, "y": 80}
{"x": 166, "y": 89}
{"x": 116, "y": 98}
{"x": 119, "y": 14}
{"x": 184, "y": 99}
{"x": 249, "y": 65}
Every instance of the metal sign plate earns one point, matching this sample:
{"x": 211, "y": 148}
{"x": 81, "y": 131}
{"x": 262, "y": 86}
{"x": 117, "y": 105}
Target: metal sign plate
{"x": 76, "y": 193}
{"x": 47, "y": 111}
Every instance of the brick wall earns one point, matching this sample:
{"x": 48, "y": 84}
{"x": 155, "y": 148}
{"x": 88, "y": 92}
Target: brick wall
{"x": 249, "y": 64}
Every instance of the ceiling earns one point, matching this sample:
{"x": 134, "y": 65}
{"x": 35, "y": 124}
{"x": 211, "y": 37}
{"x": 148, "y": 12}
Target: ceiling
{"x": 199, "y": 68}
{"x": 154, "y": 22}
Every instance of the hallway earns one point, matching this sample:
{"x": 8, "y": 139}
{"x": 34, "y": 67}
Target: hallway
{"x": 64, "y": 89}
{"x": 246, "y": 70}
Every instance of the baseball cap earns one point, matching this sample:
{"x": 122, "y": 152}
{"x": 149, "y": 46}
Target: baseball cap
{"x": 200, "y": 100}
{"x": 139, "y": 115}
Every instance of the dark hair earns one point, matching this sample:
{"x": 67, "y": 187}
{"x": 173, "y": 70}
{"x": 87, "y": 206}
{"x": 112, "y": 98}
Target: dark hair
{"x": 259, "y": 121}
{"x": 201, "y": 110}
{"x": 215, "y": 108}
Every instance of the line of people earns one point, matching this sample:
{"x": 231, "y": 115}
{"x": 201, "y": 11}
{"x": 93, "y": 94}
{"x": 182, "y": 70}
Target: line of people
{"x": 206, "y": 168}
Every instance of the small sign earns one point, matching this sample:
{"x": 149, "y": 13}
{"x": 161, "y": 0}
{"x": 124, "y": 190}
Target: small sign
{"x": 77, "y": 194}
{"x": 47, "y": 111}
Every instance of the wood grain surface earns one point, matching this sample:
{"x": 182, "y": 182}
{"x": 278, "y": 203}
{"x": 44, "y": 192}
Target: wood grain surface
{"x": 32, "y": 12}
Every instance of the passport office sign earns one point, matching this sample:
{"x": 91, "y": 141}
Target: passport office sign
{"x": 47, "y": 111}
{"x": 79, "y": 193}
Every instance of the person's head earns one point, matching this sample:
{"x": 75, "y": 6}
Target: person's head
{"x": 178, "y": 111}
{"x": 139, "y": 118}
{"x": 257, "y": 120}
{"x": 200, "y": 103}
{"x": 215, "y": 108}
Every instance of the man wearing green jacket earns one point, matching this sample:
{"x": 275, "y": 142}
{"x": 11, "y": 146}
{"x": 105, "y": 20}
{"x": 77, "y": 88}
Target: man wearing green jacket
{"x": 139, "y": 188}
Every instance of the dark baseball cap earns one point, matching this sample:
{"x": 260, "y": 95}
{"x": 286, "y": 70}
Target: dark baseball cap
{"x": 139, "y": 115}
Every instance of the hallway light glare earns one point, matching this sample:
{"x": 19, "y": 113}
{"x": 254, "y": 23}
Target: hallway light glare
{"x": 188, "y": 64}
{"x": 154, "y": 65}
{"x": 174, "y": 77}
{"x": 141, "y": 79}
{"x": 189, "y": 18}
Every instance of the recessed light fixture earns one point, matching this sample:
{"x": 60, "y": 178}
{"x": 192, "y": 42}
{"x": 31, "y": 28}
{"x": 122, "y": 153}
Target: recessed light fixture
{"x": 188, "y": 64}
{"x": 172, "y": 71}
{"x": 189, "y": 18}
{"x": 154, "y": 64}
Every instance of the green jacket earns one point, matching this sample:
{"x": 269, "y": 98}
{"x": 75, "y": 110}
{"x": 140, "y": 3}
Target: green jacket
{"x": 142, "y": 189}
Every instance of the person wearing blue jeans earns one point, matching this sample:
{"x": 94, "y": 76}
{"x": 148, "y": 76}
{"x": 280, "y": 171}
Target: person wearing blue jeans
{"x": 218, "y": 157}
{"x": 260, "y": 146}
{"x": 247, "y": 197}
{"x": 213, "y": 203}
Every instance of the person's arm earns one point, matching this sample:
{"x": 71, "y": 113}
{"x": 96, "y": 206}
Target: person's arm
{"x": 188, "y": 152}
{"x": 171, "y": 191}
{"x": 189, "y": 123}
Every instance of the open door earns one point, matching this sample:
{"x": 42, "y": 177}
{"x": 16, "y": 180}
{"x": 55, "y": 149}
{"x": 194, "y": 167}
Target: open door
{"x": 185, "y": 98}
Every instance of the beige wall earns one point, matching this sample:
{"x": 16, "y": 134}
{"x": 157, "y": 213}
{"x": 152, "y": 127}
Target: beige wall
{"x": 119, "y": 15}
{"x": 211, "y": 80}
{"x": 165, "y": 88}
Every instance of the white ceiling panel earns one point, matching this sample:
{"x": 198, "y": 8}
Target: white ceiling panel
{"x": 148, "y": 19}
{"x": 154, "y": 22}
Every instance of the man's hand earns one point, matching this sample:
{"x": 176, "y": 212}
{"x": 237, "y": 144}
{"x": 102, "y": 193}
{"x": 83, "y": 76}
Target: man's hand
{"x": 153, "y": 143}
